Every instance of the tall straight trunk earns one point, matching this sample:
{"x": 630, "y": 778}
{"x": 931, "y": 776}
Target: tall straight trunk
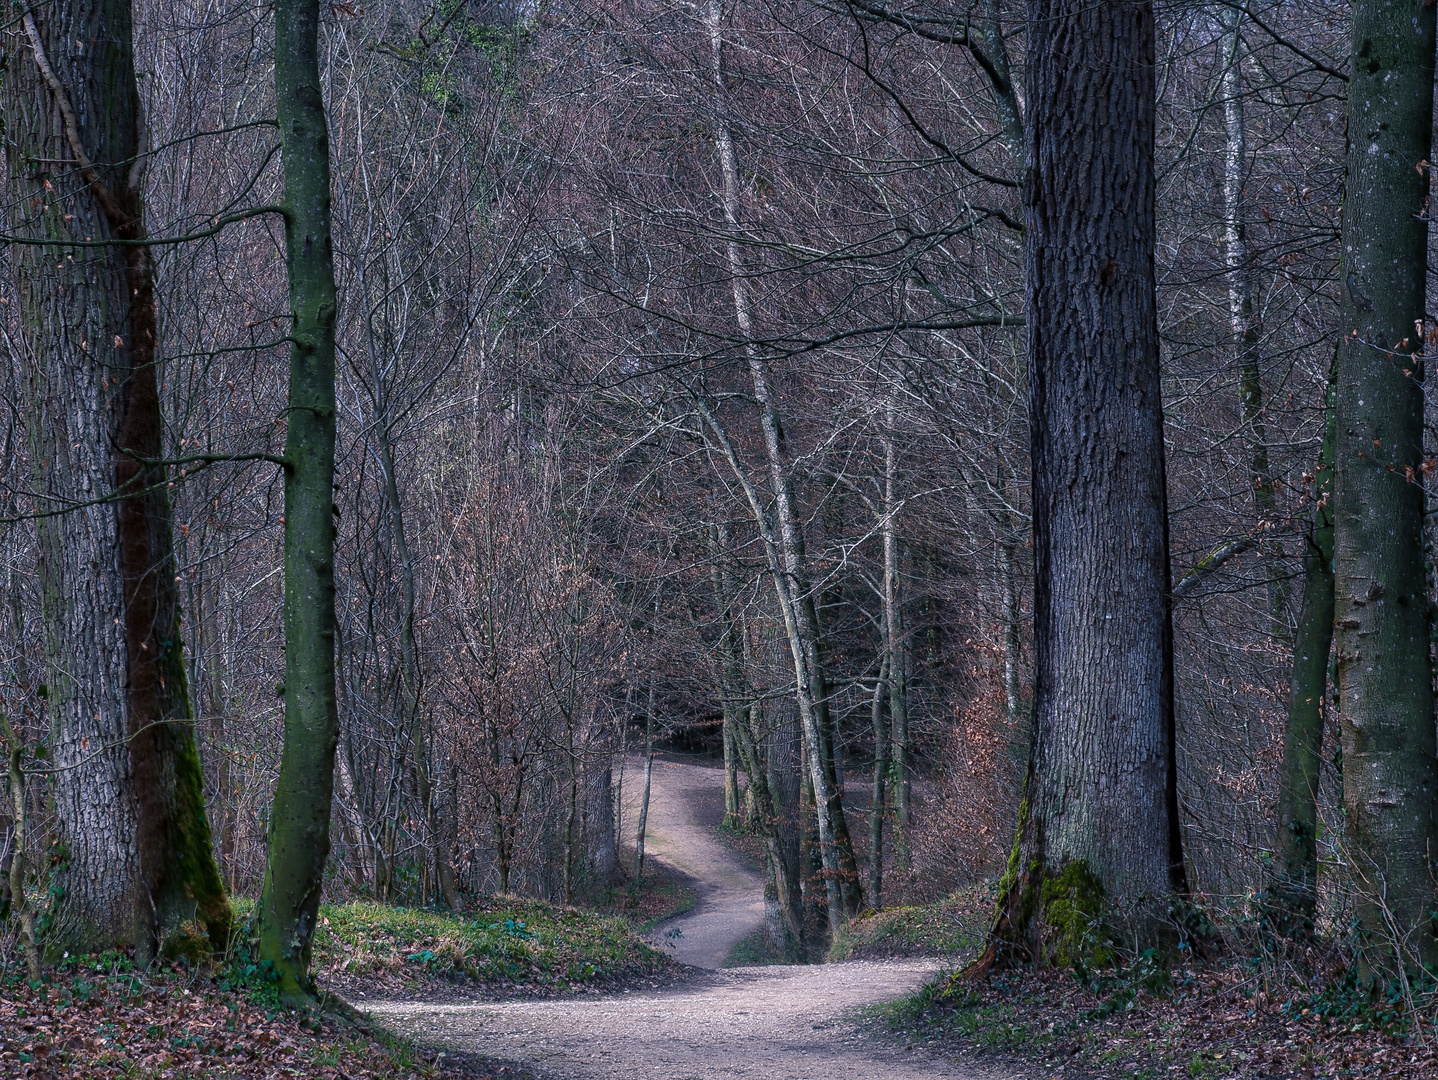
{"x": 1013, "y": 632}
{"x": 1100, "y": 807}
{"x": 140, "y": 864}
{"x": 1390, "y": 776}
{"x": 896, "y": 648}
{"x": 299, "y": 835}
{"x": 644, "y": 794}
{"x": 1244, "y": 319}
{"x": 1294, "y": 890}
{"x": 794, "y": 592}
{"x": 879, "y": 787}
{"x": 732, "y": 817}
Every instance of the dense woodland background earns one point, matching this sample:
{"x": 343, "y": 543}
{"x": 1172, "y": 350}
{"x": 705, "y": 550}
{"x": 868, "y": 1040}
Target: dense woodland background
{"x": 565, "y": 243}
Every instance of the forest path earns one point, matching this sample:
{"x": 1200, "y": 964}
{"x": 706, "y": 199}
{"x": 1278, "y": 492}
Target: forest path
{"x": 686, "y": 801}
{"x": 756, "y": 1023}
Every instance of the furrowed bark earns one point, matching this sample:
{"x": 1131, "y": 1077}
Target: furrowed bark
{"x": 1100, "y": 799}
{"x": 71, "y": 313}
{"x": 1294, "y": 889}
{"x": 162, "y": 814}
{"x": 300, "y": 820}
{"x": 1390, "y": 777}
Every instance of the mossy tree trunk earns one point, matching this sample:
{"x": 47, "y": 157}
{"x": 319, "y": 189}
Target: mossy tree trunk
{"x": 141, "y": 866}
{"x": 1099, "y": 822}
{"x": 1390, "y": 776}
{"x": 1294, "y": 888}
{"x": 299, "y": 836}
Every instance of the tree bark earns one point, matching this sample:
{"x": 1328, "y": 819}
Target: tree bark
{"x": 1244, "y": 320}
{"x": 300, "y": 820}
{"x": 876, "y": 802}
{"x": 1100, "y": 798}
{"x": 896, "y": 646}
{"x": 1294, "y": 890}
{"x": 795, "y": 594}
{"x": 1390, "y": 777}
{"x": 141, "y": 866}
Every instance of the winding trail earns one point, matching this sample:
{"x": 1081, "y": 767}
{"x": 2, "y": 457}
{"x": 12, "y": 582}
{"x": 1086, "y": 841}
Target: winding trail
{"x": 758, "y": 1023}
{"x": 679, "y": 831}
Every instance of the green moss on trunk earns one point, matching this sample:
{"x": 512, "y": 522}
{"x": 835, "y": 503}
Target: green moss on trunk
{"x": 300, "y": 819}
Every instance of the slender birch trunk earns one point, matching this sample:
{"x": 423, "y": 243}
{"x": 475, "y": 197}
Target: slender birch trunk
{"x": 1244, "y": 320}
{"x": 795, "y": 595}
{"x": 896, "y": 649}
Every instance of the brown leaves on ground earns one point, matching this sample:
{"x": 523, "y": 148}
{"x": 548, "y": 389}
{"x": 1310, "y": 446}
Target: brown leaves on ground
{"x": 1221, "y": 1021}
{"x": 177, "y": 1026}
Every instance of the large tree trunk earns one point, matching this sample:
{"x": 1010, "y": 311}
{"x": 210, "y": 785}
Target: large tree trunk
{"x": 140, "y": 861}
{"x": 299, "y": 835}
{"x": 1294, "y": 890}
{"x": 1100, "y": 806}
{"x": 1390, "y": 777}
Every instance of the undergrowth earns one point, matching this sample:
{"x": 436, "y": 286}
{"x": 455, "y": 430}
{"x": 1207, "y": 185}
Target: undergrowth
{"x": 1252, "y": 1005}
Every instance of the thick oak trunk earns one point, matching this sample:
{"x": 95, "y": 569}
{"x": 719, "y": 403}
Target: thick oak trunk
{"x": 140, "y": 864}
{"x": 1100, "y": 806}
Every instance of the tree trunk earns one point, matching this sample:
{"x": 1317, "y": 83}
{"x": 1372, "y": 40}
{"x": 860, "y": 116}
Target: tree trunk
{"x": 876, "y": 803}
{"x": 732, "y": 818}
{"x": 795, "y": 595}
{"x": 896, "y": 645}
{"x": 300, "y": 820}
{"x": 1390, "y": 777}
{"x": 139, "y": 864}
{"x": 1244, "y": 320}
{"x": 1099, "y": 821}
{"x": 644, "y": 796}
{"x": 1294, "y": 890}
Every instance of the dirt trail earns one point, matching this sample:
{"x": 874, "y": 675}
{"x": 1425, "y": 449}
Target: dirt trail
{"x": 679, "y": 832}
{"x": 765, "y": 1023}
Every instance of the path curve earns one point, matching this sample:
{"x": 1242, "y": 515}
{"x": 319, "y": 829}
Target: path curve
{"x": 756, "y": 1023}
{"x": 680, "y": 834}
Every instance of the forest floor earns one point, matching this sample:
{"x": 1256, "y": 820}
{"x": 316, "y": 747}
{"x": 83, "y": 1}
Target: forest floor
{"x": 749, "y": 1023}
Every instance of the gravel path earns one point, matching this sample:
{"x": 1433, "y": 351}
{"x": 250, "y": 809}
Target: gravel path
{"x": 678, "y": 832}
{"x": 765, "y": 1023}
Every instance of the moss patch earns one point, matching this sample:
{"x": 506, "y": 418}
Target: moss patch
{"x": 1072, "y": 903}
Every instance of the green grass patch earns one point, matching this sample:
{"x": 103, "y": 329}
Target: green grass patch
{"x": 754, "y": 951}
{"x": 954, "y": 926}
{"x": 504, "y": 943}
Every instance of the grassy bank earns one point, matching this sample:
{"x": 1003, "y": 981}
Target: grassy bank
{"x": 954, "y": 926}
{"x": 502, "y": 946}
